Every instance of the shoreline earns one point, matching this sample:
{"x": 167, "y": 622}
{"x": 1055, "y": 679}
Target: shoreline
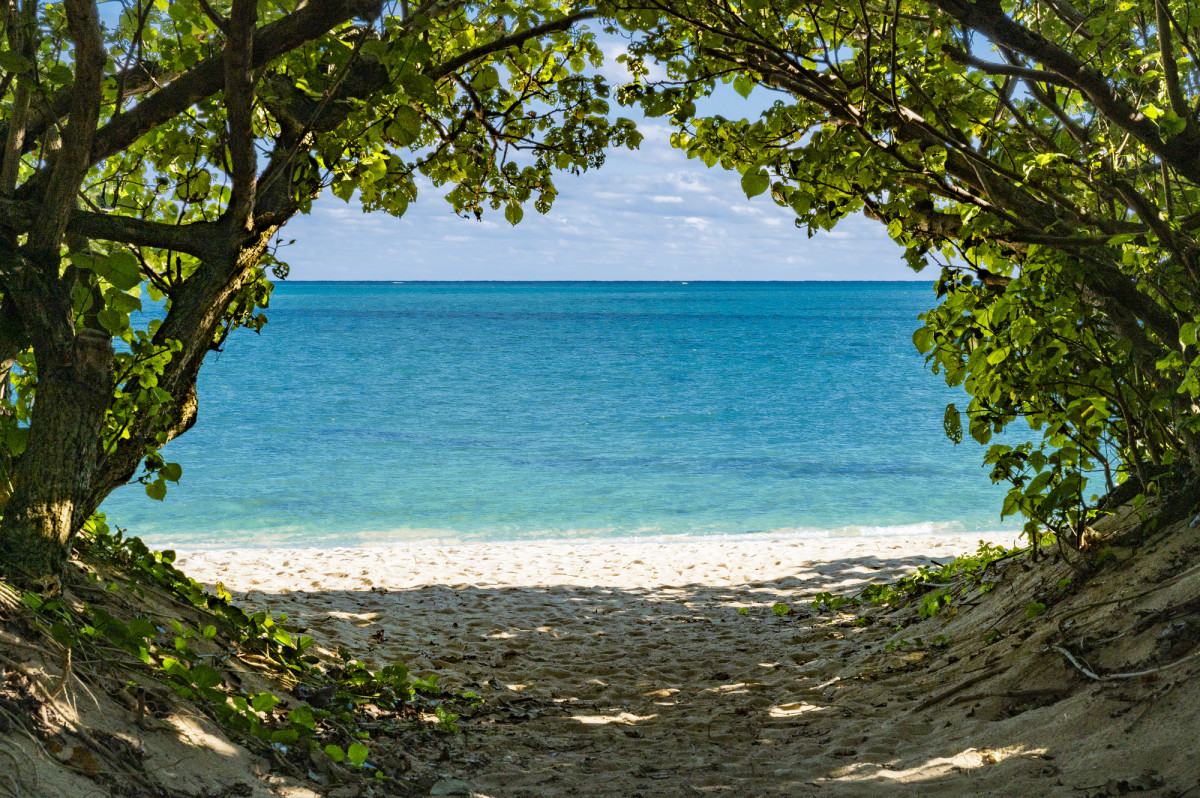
{"x": 729, "y": 560}
{"x": 363, "y": 540}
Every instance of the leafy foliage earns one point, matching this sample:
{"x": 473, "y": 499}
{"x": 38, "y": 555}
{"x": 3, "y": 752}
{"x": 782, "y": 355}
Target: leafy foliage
{"x": 341, "y": 703}
{"x": 1046, "y": 156}
{"x": 933, "y": 588}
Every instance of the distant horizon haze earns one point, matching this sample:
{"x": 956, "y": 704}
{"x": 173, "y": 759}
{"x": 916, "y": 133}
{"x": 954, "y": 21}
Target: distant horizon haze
{"x": 670, "y": 282}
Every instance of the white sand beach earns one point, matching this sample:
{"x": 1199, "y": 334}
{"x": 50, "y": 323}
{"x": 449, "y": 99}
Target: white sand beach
{"x": 626, "y": 669}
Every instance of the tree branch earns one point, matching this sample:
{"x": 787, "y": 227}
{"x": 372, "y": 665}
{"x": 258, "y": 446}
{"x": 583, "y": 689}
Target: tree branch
{"x": 987, "y": 17}
{"x": 504, "y": 42}
{"x": 1166, "y": 50}
{"x": 310, "y": 22}
{"x": 992, "y": 68}
{"x": 71, "y": 163}
{"x": 21, "y": 28}
{"x": 138, "y": 79}
{"x": 239, "y": 106}
{"x": 201, "y": 239}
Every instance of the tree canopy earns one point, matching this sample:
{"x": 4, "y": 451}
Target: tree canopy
{"x": 158, "y": 155}
{"x": 1045, "y": 154}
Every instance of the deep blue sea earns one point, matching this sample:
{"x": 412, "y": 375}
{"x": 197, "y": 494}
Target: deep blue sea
{"x": 400, "y": 412}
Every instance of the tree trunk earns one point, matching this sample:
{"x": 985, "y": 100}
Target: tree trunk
{"x": 53, "y": 476}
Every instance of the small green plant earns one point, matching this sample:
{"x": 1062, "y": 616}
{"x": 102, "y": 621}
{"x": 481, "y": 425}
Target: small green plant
{"x": 1034, "y": 609}
{"x": 933, "y": 602}
{"x": 445, "y": 719}
{"x": 937, "y": 586}
{"x": 829, "y": 602}
{"x": 743, "y": 611}
{"x": 427, "y": 686}
{"x": 327, "y": 719}
{"x": 357, "y": 754}
{"x": 916, "y": 643}
{"x": 780, "y": 609}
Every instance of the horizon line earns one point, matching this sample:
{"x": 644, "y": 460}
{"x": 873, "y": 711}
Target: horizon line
{"x": 663, "y": 282}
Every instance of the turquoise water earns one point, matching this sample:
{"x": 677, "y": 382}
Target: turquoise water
{"x": 383, "y": 412}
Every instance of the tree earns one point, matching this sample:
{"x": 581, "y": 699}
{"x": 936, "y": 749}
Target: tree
{"x": 1044, "y": 153}
{"x": 165, "y": 153}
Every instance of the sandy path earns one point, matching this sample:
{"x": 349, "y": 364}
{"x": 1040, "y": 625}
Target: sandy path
{"x": 626, "y": 669}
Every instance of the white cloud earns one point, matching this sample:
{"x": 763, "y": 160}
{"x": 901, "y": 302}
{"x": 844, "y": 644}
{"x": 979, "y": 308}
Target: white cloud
{"x": 647, "y": 215}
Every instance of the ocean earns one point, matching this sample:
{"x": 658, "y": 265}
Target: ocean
{"x": 453, "y": 412}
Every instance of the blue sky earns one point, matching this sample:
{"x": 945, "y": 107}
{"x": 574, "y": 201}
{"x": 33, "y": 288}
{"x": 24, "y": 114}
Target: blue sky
{"x": 646, "y": 215}
{"x": 649, "y": 214}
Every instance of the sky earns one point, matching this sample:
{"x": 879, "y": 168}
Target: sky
{"x": 646, "y": 215}
{"x": 649, "y": 214}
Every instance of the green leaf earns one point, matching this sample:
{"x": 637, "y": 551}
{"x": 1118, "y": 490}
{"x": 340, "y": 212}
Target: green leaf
{"x": 205, "y": 676}
{"x": 172, "y": 471}
{"x": 142, "y": 627}
{"x": 952, "y": 424}
{"x": 1039, "y": 483}
{"x": 285, "y": 736}
{"x": 302, "y": 716}
{"x": 344, "y": 189}
{"x": 263, "y": 702}
{"x": 335, "y": 752}
{"x": 112, "y": 320}
{"x": 122, "y": 302}
{"x": 513, "y": 213}
{"x": 60, "y": 74}
{"x": 121, "y": 269}
{"x": 194, "y": 186}
{"x": 357, "y": 754}
{"x": 743, "y": 85}
{"x": 923, "y": 339}
{"x": 156, "y": 490}
{"x": 63, "y": 634}
{"x": 1034, "y": 609}
{"x": 487, "y": 78}
{"x": 755, "y": 182}
{"x": 418, "y": 86}
{"x": 1172, "y": 124}
{"x": 405, "y": 126}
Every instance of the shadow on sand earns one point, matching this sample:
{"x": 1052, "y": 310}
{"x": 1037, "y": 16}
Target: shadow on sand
{"x": 704, "y": 690}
